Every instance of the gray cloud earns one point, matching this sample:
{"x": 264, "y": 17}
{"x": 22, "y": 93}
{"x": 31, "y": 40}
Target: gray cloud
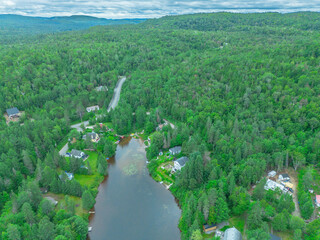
{"x": 148, "y": 8}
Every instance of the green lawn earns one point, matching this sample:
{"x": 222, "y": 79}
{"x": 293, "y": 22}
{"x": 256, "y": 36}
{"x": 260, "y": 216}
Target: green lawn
{"x": 284, "y": 235}
{"x": 238, "y": 222}
{"x": 92, "y": 181}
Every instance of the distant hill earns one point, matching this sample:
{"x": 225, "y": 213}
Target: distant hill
{"x": 13, "y": 26}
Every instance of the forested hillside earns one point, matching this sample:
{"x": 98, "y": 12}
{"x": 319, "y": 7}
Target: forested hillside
{"x": 16, "y": 28}
{"x": 242, "y": 89}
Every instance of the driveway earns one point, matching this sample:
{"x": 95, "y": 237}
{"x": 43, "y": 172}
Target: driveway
{"x": 294, "y": 181}
{"x": 77, "y": 126}
{"x": 64, "y": 150}
{"x": 116, "y": 96}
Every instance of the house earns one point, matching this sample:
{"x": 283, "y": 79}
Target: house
{"x": 78, "y": 154}
{"x": 284, "y": 177}
{"x": 175, "y": 150}
{"x": 272, "y": 174}
{"x": 102, "y": 89}
{"x": 13, "y": 112}
{"x": 52, "y": 201}
{"x": 274, "y": 237}
{"x": 232, "y": 234}
{"x": 318, "y": 200}
{"x": 93, "y": 136}
{"x": 93, "y": 108}
{"x": 70, "y": 176}
{"x": 209, "y": 228}
{"x": 274, "y": 185}
{"x": 180, "y": 163}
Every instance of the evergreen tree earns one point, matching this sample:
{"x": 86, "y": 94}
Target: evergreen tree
{"x": 87, "y": 200}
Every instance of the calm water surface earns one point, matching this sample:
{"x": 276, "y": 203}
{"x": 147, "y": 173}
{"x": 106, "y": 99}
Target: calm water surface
{"x": 130, "y": 204}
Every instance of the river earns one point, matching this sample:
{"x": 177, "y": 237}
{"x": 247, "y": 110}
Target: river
{"x": 130, "y": 205}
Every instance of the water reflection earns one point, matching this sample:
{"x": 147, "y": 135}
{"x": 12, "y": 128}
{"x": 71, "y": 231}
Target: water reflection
{"x": 130, "y": 204}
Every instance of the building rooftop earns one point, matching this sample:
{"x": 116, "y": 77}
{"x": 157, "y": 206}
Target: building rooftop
{"x": 285, "y": 175}
{"x": 182, "y": 161}
{"x": 12, "y": 111}
{"x": 76, "y": 153}
{"x": 232, "y": 234}
{"x": 175, "y": 150}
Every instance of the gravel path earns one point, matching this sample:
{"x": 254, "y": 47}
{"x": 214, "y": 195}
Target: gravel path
{"x": 64, "y": 150}
{"x": 116, "y": 96}
{"x": 77, "y": 126}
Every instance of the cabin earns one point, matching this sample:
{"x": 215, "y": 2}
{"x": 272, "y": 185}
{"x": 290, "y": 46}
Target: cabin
{"x": 13, "y": 113}
{"x": 209, "y": 228}
{"x": 180, "y": 163}
{"x": 232, "y": 234}
{"x": 52, "y": 201}
{"x": 274, "y": 185}
{"x": 284, "y": 177}
{"x": 102, "y": 89}
{"x": 94, "y": 137}
{"x": 93, "y": 108}
{"x": 78, "y": 154}
{"x": 272, "y": 174}
{"x": 317, "y": 200}
{"x": 175, "y": 150}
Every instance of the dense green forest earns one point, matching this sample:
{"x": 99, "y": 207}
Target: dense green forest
{"x": 241, "y": 88}
{"x": 17, "y": 28}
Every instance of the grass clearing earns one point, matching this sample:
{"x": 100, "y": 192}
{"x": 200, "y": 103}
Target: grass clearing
{"x": 238, "y": 222}
{"x": 285, "y": 235}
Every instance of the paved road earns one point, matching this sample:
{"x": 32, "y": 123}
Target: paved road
{"x": 64, "y": 150}
{"x": 116, "y": 96}
{"x": 77, "y": 126}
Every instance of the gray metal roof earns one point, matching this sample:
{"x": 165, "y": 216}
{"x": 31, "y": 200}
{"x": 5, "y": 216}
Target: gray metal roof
{"x": 232, "y": 234}
{"x": 12, "y": 111}
{"x": 76, "y": 153}
{"x": 175, "y": 150}
{"x": 182, "y": 161}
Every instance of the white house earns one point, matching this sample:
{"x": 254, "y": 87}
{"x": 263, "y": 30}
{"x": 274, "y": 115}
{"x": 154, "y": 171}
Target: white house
{"x": 175, "y": 150}
{"x": 272, "y": 174}
{"x": 180, "y": 163}
{"x": 77, "y": 154}
{"x": 101, "y": 88}
{"x": 284, "y": 177}
{"x": 274, "y": 185}
{"x": 93, "y": 108}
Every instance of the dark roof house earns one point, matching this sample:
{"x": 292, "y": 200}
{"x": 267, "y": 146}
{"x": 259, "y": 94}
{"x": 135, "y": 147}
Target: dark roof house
{"x": 182, "y": 161}
{"x": 175, "y": 150}
{"x": 207, "y": 228}
{"x": 12, "y": 111}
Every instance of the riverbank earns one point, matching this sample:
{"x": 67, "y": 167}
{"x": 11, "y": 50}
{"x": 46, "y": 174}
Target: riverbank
{"x": 130, "y": 197}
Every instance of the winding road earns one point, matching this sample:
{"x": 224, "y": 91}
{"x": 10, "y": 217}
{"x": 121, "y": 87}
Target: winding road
{"x": 114, "y": 102}
{"x": 116, "y": 96}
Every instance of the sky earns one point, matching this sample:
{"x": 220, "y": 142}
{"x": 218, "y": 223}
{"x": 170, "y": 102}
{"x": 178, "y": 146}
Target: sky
{"x": 117, "y": 9}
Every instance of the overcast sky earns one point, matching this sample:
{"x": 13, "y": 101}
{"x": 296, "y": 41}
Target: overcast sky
{"x": 148, "y": 8}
